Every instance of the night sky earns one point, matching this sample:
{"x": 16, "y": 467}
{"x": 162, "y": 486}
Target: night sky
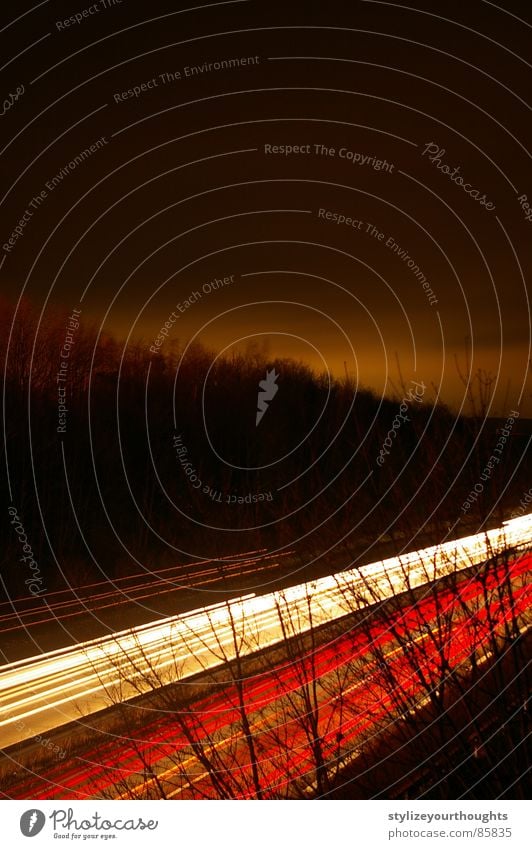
{"x": 343, "y": 183}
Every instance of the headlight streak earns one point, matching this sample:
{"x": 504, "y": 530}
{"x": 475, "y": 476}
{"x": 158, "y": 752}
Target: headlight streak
{"x": 59, "y": 686}
{"x": 103, "y": 764}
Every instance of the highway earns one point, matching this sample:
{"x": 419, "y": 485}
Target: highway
{"x": 43, "y": 692}
{"x": 203, "y": 753}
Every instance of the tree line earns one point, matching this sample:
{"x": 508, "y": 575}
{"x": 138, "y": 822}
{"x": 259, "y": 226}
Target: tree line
{"x": 111, "y": 491}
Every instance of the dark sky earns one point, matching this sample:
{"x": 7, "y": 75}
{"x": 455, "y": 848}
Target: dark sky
{"x": 181, "y": 190}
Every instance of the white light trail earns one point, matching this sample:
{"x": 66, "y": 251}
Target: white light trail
{"x": 42, "y": 692}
